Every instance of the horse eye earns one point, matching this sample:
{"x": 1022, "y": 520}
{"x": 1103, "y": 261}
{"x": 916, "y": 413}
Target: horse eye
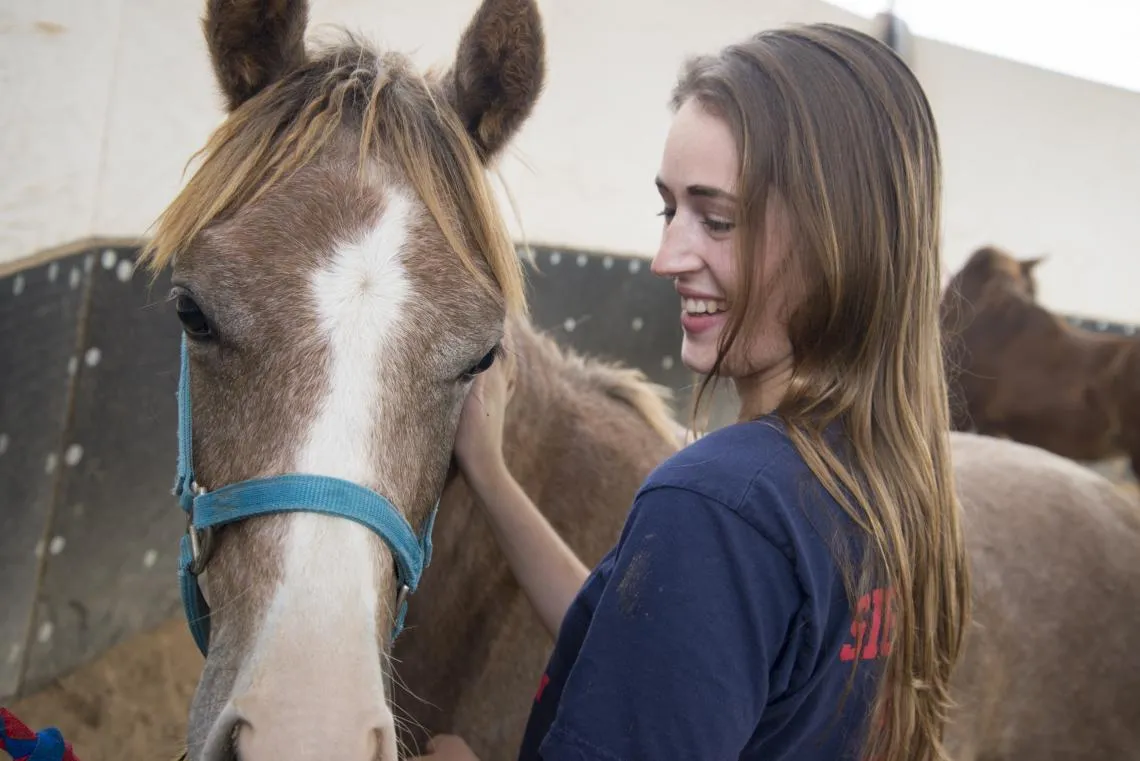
{"x": 484, "y": 364}
{"x": 194, "y": 322}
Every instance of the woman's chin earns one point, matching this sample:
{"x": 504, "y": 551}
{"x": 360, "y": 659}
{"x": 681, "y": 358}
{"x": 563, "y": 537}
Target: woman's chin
{"x": 697, "y": 359}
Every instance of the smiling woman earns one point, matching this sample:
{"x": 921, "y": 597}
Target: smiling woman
{"x": 801, "y": 181}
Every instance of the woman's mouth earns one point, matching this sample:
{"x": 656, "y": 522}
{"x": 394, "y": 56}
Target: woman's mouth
{"x": 699, "y": 315}
{"x": 703, "y": 306}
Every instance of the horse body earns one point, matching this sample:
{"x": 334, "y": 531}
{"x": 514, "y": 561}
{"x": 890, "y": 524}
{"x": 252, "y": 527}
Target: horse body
{"x": 1051, "y": 663}
{"x": 1027, "y": 374}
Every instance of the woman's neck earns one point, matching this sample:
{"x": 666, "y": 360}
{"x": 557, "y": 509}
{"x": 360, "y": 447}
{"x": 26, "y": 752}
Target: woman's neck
{"x": 760, "y": 393}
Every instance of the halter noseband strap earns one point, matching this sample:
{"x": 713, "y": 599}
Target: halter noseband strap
{"x": 280, "y": 494}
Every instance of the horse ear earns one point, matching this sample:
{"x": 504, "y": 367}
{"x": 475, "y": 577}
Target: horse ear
{"x": 1028, "y": 265}
{"x": 253, "y": 43}
{"x": 499, "y": 71}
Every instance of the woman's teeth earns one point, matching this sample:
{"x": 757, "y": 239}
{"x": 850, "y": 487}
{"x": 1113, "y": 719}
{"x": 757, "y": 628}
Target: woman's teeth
{"x": 702, "y": 306}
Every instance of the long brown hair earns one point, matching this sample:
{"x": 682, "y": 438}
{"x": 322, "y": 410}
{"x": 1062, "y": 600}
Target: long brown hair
{"x": 834, "y": 125}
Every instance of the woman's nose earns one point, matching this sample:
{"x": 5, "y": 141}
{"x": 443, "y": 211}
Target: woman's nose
{"x": 677, "y": 255}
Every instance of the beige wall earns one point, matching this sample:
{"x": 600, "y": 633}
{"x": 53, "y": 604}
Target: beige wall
{"x": 105, "y": 100}
{"x": 1042, "y": 163}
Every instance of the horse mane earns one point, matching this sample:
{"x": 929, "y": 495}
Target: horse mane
{"x": 400, "y": 120}
{"x": 621, "y": 383}
{"x": 629, "y": 386}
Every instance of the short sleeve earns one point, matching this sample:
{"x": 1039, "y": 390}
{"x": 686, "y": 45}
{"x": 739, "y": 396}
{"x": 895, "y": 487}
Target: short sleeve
{"x": 676, "y": 661}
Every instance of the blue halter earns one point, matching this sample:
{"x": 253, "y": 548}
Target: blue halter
{"x": 281, "y": 494}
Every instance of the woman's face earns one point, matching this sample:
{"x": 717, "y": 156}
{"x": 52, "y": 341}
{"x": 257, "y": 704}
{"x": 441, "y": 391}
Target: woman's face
{"x": 697, "y": 181}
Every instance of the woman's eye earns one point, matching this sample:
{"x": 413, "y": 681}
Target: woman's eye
{"x": 194, "y": 322}
{"x": 719, "y": 226}
{"x": 483, "y": 365}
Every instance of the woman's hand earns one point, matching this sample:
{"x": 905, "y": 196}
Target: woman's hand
{"x": 479, "y": 438}
{"x": 447, "y": 748}
{"x": 546, "y": 568}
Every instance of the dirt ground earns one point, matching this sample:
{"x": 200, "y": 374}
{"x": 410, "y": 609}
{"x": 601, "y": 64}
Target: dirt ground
{"x": 131, "y": 704}
{"x": 128, "y": 705}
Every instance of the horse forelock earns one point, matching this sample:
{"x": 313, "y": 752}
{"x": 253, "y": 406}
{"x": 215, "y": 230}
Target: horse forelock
{"x": 400, "y": 122}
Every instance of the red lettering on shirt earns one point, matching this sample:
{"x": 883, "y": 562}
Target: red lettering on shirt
{"x": 880, "y": 604}
{"x": 541, "y": 686}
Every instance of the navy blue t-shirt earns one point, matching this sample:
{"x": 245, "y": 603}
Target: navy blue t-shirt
{"x": 718, "y": 627}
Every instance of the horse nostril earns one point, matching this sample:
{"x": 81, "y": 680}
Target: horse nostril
{"x": 250, "y": 744}
{"x": 220, "y": 743}
{"x": 231, "y": 750}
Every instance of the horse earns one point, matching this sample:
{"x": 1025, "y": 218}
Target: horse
{"x": 341, "y": 273}
{"x": 1022, "y": 372}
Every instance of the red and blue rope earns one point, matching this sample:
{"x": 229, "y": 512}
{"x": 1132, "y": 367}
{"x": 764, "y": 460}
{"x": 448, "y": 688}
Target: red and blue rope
{"x": 22, "y": 744}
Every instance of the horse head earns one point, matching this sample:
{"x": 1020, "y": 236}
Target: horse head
{"x": 992, "y": 269}
{"x": 341, "y": 274}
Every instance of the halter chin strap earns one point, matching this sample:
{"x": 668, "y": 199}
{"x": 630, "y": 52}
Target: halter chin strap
{"x": 281, "y": 494}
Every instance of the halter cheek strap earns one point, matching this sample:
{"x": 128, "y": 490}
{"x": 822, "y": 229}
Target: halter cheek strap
{"x": 206, "y": 511}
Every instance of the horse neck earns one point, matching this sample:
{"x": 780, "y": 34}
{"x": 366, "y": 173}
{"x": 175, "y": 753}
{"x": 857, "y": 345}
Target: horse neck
{"x": 1121, "y": 358}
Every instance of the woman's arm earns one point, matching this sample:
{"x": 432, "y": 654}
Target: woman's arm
{"x": 546, "y": 568}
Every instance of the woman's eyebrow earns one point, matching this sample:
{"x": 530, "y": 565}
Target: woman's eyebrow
{"x": 701, "y": 191}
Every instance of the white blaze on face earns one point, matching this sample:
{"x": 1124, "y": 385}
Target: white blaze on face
{"x": 314, "y": 679}
{"x": 360, "y": 299}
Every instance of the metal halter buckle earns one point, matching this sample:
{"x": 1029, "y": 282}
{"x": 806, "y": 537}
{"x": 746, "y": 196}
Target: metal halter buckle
{"x": 201, "y": 540}
{"x": 402, "y": 596}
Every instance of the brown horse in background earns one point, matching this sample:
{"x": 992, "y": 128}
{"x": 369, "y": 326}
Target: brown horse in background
{"x": 342, "y": 271}
{"x": 1018, "y": 370}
